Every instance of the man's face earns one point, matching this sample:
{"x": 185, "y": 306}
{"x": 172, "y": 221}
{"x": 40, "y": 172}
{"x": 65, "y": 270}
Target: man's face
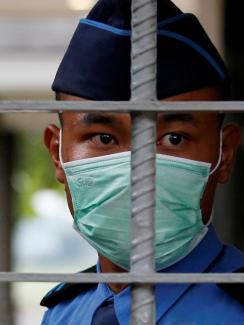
{"x": 193, "y": 136}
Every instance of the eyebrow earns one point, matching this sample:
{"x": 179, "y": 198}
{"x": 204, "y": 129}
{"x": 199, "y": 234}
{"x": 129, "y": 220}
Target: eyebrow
{"x": 110, "y": 119}
{"x": 177, "y": 117}
{"x": 99, "y": 118}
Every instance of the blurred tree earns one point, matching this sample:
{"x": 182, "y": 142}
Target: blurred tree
{"x": 33, "y": 172}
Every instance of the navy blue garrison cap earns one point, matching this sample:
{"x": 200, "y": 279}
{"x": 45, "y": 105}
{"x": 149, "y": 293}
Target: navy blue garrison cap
{"x": 97, "y": 62}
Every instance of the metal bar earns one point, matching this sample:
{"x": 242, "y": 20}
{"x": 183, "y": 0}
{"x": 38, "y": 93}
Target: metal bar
{"x": 133, "y": 106}
{"x": 143, "y": 87}
{"x": 139, "y": 278}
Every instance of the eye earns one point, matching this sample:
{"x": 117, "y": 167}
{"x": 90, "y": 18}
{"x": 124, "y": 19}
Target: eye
{"x": 104, "y": 139}
{"x": 171, "y": 139}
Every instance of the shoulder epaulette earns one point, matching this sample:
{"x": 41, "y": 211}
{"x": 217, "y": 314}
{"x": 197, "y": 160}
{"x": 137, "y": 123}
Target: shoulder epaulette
{"x": 235, "y": 290}
{"x": 67, "y": 291}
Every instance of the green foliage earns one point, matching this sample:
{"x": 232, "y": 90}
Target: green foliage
{"x": 33, "y": 172}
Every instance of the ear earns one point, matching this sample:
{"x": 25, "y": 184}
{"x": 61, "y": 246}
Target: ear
{"x": 231, "y": 141}
{"x": 51, "y": 140}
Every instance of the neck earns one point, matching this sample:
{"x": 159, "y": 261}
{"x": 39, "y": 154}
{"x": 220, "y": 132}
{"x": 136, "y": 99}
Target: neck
{"x": 109, "y": 267}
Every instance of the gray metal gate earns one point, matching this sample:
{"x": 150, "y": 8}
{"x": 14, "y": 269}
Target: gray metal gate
{"x": 143, "y": 108}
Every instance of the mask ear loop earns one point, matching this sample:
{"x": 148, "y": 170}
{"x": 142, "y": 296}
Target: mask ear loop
{"x": 211, "y": 218}
{"x": 212, "y": 171}
{"x": 60, "y": 148}
{"x": 220, "y": 153}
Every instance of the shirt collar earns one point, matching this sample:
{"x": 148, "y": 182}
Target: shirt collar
{"x": 198, "y": 261}
{"x": 201, "y": 257}
{"x": 103, "y": 290}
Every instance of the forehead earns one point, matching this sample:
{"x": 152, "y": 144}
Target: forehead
{"x": 204, "y": 94}
{"x": 122, "y": 121}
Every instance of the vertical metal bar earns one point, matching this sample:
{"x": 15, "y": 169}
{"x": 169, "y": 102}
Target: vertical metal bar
{"x": 143, "y": 87}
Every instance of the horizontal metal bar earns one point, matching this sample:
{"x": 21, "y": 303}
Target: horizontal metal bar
{"x": 136, "y": 278}
{"x": 136, "y": 106}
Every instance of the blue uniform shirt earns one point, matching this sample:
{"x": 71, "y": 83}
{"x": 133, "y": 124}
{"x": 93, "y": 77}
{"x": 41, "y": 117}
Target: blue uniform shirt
{"x": 175, "y": 303}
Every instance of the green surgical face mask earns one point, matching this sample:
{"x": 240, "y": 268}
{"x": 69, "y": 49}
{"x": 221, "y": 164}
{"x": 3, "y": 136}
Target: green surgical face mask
{"x": 100, "y": 190}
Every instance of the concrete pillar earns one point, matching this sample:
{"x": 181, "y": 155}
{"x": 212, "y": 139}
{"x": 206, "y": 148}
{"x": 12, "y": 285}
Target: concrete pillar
{"x": 6, "y": 160}
{"x": 230, "y": 200}
{"x": 211, "y": 15}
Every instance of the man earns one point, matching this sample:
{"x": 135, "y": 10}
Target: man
{"x": 91, "y": 157}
